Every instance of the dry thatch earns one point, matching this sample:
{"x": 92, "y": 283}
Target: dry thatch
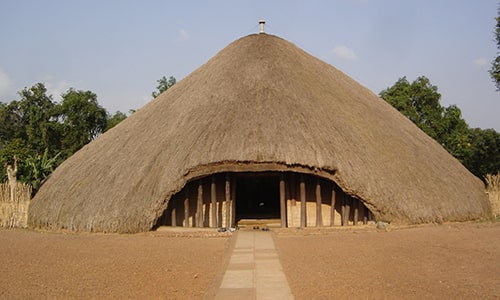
{"x": 493, "y": 190}
{"x": 14, "y": 210}
{"x": 259, "y": 104}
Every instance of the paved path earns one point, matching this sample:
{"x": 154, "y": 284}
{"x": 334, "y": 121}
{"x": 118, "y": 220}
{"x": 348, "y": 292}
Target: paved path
{"x": 254, "y": 270}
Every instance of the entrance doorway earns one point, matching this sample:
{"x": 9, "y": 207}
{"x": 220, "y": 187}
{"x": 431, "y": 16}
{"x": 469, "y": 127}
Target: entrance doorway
{"x": 257, "y": 197}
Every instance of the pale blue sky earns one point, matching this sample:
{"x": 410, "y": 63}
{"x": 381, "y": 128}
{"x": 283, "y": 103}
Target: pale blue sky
{"x": 118, "y": 49}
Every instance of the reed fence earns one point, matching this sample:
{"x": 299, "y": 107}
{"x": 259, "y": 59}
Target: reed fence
{"x": 14, "y": 210}
{"x": 493, "y": 191}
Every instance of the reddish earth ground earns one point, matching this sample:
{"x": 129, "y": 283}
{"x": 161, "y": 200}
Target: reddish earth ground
{"x": 447, "y": 261}
{"x": 153, "y": 265}
{"x": 450, "y": 261}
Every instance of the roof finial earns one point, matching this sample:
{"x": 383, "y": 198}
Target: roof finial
{"x": 262, "y": 22}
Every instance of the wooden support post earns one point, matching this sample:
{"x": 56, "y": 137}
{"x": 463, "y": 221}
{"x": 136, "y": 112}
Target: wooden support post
{"x": 233, "y": 203}
{"x": 228, "y": 198}
{"x": 332, "y": 208}
{"x": 342, "y": 210}
{"x": 319, "y": 200}
{"x": 199, "y": 205}
{"x": 213, "y": 200}
{"x": 293, "y": 190}
{"x": 288, "y": 199}
{"x": 282, "y": 201}
{"x": 173, "y": 217}
{"x": 293, "y": 201}
{"x": 365, "y": 215}
{"x": 186, "y": 208}
{"x": 303, "y": 205}
{"x": 348, "y": 203}
{"x": 356, "y": 211}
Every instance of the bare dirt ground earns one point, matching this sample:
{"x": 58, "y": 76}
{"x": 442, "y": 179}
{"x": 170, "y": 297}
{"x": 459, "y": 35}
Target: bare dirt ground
{"x": 447, "y": 262}
{"x": 450, "y": 261}
{"x": 154, "y": 265}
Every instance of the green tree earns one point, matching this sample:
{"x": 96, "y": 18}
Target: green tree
{"x": 13, "y": 125}
{"x": 163, "y": 85}
{"x": 82, "y": 118}
{"x": 15, "y": 148}
{"x": 455, "y": 133}
{"x": 29, "y": 126}
{"x": 113, "y": 120}
{"x": 40, "y": 133}
{"x": 495, "y": 65}
{"x": 9, "y": 118}
{"x": 38, "y": 168}
{"x": 484, "y": 152}
{"x": 35, "y": 118}
{"x": 477, "y": 149}
{"x": 419, "y": 101}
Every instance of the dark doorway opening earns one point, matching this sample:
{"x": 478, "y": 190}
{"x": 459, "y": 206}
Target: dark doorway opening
{"x": 257, "y": 197}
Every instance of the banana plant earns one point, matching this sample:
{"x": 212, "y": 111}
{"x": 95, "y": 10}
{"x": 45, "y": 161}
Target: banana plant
{"x": 39, "y": 167}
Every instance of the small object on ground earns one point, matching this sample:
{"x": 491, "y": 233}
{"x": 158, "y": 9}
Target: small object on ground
{"x": 256, "y": 228}
{"x": 381, "y": 225}
{"x": 265, "y": 229}
{"x": 222, "y": 230}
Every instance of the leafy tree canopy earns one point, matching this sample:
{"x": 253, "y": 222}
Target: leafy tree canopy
{"x": 113, "y": 120}
{"x": 477, "y": 149}
{"x": 495, "y": 65}
{"x": 419, "y": 101}
{"x": 32, "y": 118}
{"x": 484, "y": 154}
{"x": 82, "y": 118}
{"x": 163, "y": 85}
{"x": 41, "y": 133}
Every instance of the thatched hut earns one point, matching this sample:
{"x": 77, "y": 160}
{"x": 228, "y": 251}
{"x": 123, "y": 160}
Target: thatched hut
{"x": 262, "y": 130}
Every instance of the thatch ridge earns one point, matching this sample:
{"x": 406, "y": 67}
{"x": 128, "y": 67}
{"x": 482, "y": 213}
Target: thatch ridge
{"x": 264, "y": 103}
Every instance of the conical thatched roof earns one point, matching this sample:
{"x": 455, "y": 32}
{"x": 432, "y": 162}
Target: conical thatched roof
{"x": 259, "y": 104}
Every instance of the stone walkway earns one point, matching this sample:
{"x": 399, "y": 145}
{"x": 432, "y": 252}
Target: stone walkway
{"x": 254, "y": 270}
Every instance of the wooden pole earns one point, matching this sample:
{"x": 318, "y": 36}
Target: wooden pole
{"x": 303, "y": 207}
{"x": 348, "y": 201}
{"x": 365, "y": 215}
{"x": 199, "y": 205}
{"x": 356, "y": 211}
{"x": 282, "y": 201}
{"x": 332, "y": 208}
{"x": 287, "y": 199}
{"x": 293, "y": 189}
{"x": 213, "y": 200}
{"x": 228, "y": 198}
{"x": 233, "y": 202}
{"x": 293, "y": 200}
{"x": 173, "y": 216}
{"x": 319, "y": 200}
{"x": 186, "y": 208}
{"x": 342, "y": 210}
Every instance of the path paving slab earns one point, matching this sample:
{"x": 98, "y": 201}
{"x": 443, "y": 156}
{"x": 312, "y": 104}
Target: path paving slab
{"x": 254, "y": 270}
